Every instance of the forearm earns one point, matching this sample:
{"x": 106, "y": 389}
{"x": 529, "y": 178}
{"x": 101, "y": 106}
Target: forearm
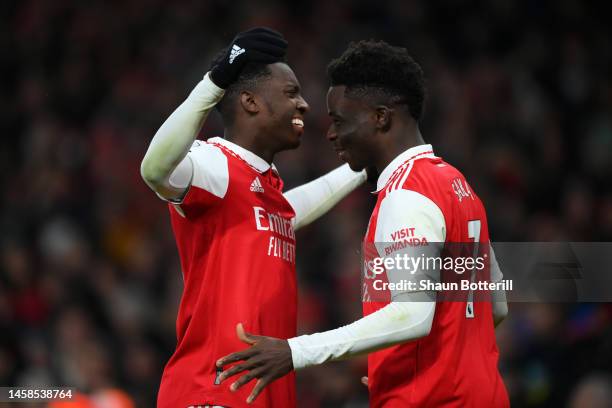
{"x": 498, "y": 298}
{"x": 397, "y": 322}
{"x": 312, "y": 200}
{"x": 500, "y": 306}
{"x": 172, "y": 141}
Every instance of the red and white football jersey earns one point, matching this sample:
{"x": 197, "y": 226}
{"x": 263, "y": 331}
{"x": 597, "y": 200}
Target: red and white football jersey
{"x": 236, "y": 243}
{"x": 422, "y": 198}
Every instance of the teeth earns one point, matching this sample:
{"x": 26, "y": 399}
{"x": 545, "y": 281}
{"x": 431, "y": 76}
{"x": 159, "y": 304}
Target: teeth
{"x": 297, "y": 122}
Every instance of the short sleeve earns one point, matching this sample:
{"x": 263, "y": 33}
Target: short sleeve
{"x": 210, "y": 179}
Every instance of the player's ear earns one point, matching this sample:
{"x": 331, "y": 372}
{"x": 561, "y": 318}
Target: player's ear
{"x": 249, "y": 102}
{"x": 383, "y": 117}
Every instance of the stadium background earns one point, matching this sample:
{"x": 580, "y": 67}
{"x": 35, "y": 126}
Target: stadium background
{"x": 520, "y": 99}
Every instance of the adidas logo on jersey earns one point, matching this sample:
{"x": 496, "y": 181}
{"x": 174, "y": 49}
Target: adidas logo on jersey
{"x": 256, "y": 186}
{"x": 236, "y": 51}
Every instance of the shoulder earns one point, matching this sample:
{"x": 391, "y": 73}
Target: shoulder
{"x": 409, "y": 210}
{"x": 210, "y": 166}
{"x": 202, "y": 150}
{"x": 439, "y": 181}
{"x": 430, "y": 174}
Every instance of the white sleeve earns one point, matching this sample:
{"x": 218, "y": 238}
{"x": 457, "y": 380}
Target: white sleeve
{"x": 408, "y": 317}
{"x": 168, "y": 149}
{"x": 409, "y": 215}
{"x": 498, "y": 297}
{"x": 395, "y": 323}
{"x": 312, "y": 200}
{"x": 496, "y": 273}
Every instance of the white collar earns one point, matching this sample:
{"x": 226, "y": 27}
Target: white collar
{"x": 416, "y": 152}
{"x": 251, "y": 158}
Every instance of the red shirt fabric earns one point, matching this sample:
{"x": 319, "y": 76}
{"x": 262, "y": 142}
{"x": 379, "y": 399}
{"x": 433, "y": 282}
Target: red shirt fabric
{"x": 456, "y": 364}
{"x": 237, "y": 248}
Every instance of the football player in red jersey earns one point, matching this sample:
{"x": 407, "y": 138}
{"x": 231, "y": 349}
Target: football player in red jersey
{"x": 234, "y": 226}
{"x": 424, "y": 351}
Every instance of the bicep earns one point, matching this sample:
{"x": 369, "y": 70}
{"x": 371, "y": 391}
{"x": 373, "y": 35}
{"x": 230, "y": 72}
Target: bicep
{"x": 411, "y": 228}
{"x": 200, "y": 180}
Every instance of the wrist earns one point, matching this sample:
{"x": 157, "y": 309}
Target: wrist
{"x": 206, "y": 93}
{"x": 297, "y": 356}
{"x": 219, "y": 78}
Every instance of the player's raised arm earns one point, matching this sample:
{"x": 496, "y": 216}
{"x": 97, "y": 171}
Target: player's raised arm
{"x": 313, "y": 199}
{"x": 166, "y": 167}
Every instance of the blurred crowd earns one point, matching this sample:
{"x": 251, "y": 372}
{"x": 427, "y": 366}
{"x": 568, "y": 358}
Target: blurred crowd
{"x": 519, "y": 99}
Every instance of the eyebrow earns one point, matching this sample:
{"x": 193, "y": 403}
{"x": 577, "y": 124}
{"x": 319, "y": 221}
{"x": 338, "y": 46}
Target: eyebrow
{"x": 293, "y": 85}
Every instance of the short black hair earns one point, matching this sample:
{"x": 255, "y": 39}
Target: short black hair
{"x": 250, "y": 77}
{"x": 375, "y": 68}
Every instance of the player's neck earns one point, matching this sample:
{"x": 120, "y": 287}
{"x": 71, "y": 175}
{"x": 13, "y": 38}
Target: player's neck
{"x": 398, "y": 142}
{"x": 248, "y": 141}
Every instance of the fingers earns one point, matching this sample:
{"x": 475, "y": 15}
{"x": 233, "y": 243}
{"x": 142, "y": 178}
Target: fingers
{"x": 244, "y": 336}
{"x": 262, "y": 41}
{"x": 256, "y": 56}
{"x": 237, "y": 356}
{"x": 244, "y": 354}
{"x": 267, "y": 39}
{"x": 259, "y": 386}
{"x": 266, "y": 47}
{"x": 364, "y": 381}
{"x": 237, "y": 369}
{"x": 273, "y": 39}
{"x": 245, "y": 379}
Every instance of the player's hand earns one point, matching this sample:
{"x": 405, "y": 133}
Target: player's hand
{"x": 259, "y": 44}
{"x": 364, "y": 381}
{"x": 267, "y": 359}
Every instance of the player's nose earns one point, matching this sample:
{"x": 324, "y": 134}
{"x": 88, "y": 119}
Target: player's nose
{"x": 331, "y": 134}
{"x": 302, "y": 105}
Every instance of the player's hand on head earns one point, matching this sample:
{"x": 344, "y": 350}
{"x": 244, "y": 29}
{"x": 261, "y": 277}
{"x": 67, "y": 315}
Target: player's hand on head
{"x": 267, "y": 359}
{"x": 260, "y": 44}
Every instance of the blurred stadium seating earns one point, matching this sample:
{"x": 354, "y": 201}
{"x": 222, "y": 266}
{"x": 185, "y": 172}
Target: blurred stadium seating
{"x": 520, "y": 99}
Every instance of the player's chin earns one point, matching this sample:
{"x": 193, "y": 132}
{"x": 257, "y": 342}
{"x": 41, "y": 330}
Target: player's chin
{"x": 346, "y": 157}
{"x": 293, "y": 143}
{"x": 294, "y": 140}
{"x": 355, "y": 166}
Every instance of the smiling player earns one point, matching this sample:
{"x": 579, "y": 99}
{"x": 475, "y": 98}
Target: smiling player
{"x": 234, "y": 227}
{"x": 423, "y": 352}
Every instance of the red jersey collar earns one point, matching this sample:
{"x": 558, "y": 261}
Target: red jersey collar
{"x": 416, "y": 152}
